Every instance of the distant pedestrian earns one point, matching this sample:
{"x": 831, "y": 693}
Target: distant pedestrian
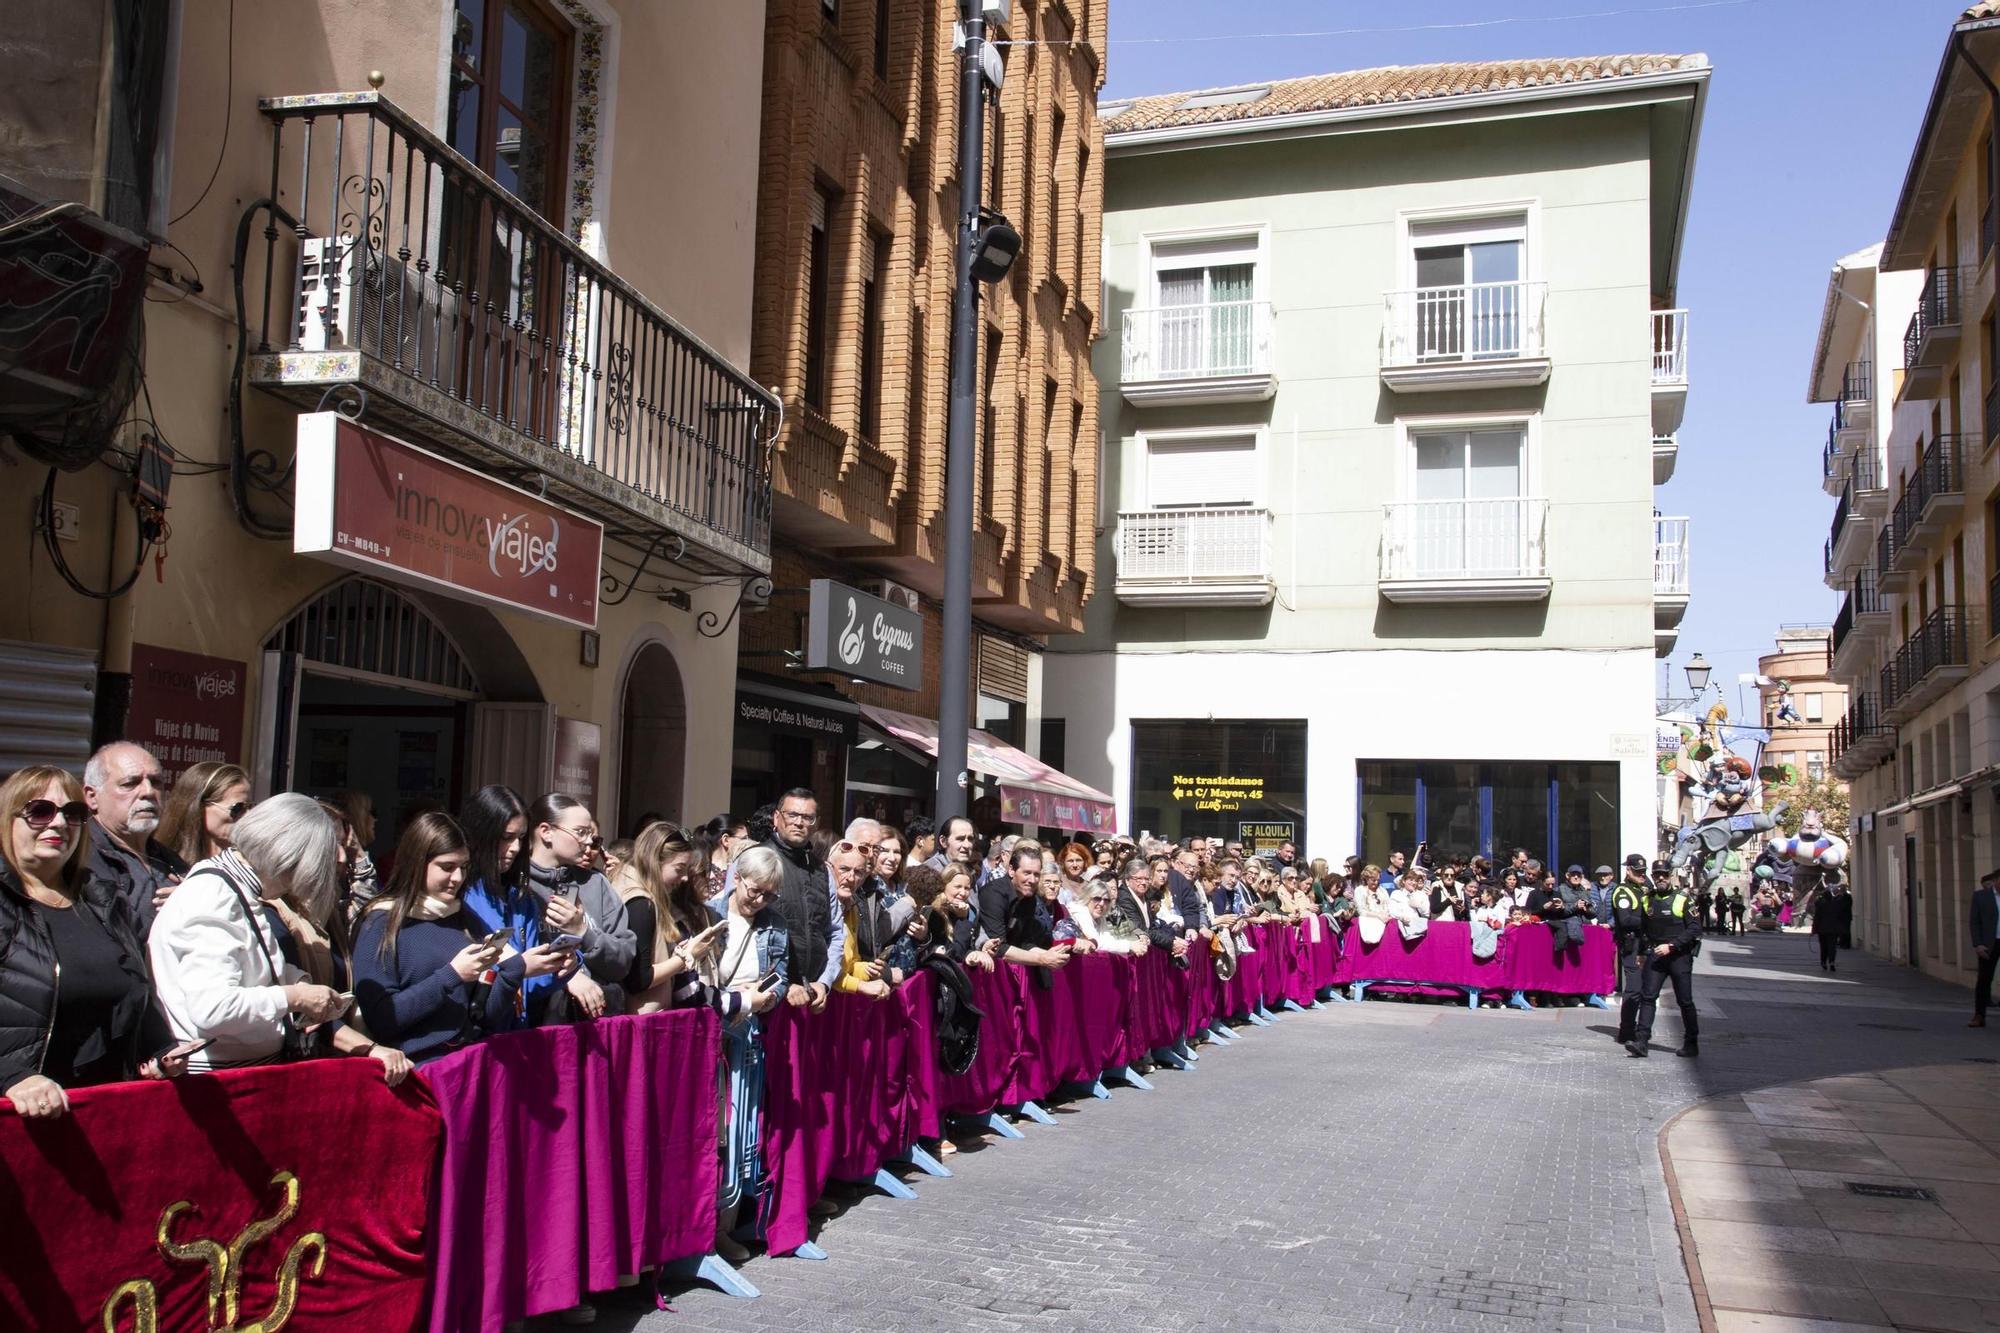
{"x": 1833, "y": 918}
{"x": 1985, "y": 942}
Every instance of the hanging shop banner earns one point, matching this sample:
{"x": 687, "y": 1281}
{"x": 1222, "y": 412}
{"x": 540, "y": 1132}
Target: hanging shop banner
{"x": 374, "y": 503}
{"x": 864, "y": 637}
{"x": 187, "y": 709}
{"x": 578, "y": 747}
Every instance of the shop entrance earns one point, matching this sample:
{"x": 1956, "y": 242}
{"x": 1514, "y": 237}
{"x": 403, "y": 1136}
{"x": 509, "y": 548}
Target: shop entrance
{"x": 365, "y": 690}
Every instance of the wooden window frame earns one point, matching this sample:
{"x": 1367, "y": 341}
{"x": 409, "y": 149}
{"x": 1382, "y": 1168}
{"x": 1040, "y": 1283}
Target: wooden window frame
{"x": 552, "y": 207}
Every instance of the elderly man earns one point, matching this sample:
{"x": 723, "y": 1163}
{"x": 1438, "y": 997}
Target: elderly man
{"x": 1181, "y": 883}
{"x": 124, "y": 787}
{"x": 816, "y": 931}
{"x": 862, "y": 971}
{"x": 1134, "y": 891}
{"x": 1028, "y": 922}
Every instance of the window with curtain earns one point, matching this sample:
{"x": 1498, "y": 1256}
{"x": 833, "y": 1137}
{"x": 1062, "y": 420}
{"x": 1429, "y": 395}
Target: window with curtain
{"x": 1205, "y": 294}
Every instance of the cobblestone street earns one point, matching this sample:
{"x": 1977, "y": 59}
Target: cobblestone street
{"x": 1382, "y": 1165}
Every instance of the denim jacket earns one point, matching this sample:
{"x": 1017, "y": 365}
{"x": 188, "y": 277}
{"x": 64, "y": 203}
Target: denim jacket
{"x": 768, "y": 935}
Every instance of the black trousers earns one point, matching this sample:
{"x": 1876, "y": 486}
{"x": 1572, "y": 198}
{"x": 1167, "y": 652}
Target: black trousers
{"x": 1636, "y": 1014}
{"x": 1984, "y": 987}
{"x": 1829, "y": 949}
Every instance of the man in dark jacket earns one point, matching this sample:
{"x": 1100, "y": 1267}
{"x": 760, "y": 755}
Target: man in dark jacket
{"x": 1985, "y": 943}
{"x": 1668, "y": 939}
{"x": 1134, "y": 890}
{"x": 1833, "y": 918}
{"x": 807, "y": 903}
{"x": 124, "y": 788}
{"x": 1186, "y": 893}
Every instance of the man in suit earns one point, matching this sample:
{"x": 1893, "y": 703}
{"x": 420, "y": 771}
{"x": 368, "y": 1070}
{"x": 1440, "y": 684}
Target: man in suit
{"x": 1985, "y": 942}
{"x": 1833, "y": 918}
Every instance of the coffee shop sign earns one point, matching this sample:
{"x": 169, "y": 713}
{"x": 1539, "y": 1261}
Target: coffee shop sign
{"x": 863, "y": 637}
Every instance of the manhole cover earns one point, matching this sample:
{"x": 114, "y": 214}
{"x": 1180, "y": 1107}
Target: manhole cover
{"x": 1889, "y": 1027}
{"x": 1916, "y": 1192}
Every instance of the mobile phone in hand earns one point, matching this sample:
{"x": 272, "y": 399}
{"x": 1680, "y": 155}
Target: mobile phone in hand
{"x": 187, "y": 1048}
{"x": 566, "y": 942}
{"x": 770, "y": 981}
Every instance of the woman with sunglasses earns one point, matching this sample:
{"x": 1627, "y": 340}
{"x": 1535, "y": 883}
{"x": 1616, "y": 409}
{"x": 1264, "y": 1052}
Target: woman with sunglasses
{"x": 76, "y": 1004}
{"x": 202, "y": 810}
{"x": 576, "y": 899}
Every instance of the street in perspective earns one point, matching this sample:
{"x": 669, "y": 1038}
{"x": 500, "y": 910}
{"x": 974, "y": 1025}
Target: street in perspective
{"x": 1000, "y": 664}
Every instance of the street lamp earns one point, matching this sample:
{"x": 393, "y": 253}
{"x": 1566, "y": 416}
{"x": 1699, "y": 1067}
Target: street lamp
{"x": 1698, "y": 672}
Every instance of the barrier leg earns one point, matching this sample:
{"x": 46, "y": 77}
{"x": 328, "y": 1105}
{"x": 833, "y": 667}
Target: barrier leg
{"x": 1356, "y": 991}
{"x": 1170, "y": 1059}
{"x": 1519, "y": 1000}
{"x": 1131, "y": 1077}
{"x": 808, "y": 1250}
{"x": 1294, "y": 1006}
{"x": 1333, "y": 995}
{"x": 1256, "y": 1019}
{"x": 714, "y": 1270}
{"x": 1471, "y": 998}
{"x": 923, "y": 1161}
{"x": 1265, "y": 1010}
{"x": 1596, "y": 1002}
{"x": 885, "y": 1180}
{"x": 1220, "y": 1031}
{"x": 1098, "y": 1090}
{"x": 1185, "y": 1051}
{"x": 1030, "y": 1111}
{"x": 996, "y": 1122}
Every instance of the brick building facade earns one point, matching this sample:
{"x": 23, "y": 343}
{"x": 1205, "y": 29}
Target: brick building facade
{"x": 857, "y": 204}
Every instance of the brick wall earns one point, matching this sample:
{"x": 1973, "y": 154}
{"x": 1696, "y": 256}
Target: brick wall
{"x": 883, "y": 151}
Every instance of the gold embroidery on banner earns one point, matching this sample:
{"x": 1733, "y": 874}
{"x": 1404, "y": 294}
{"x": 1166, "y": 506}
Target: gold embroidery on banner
{"x": 225, "y": 1266}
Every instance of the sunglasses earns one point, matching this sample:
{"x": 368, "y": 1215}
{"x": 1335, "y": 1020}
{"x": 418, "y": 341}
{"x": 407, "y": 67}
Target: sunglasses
{"x": 40, "y": 814}
{"x": 236, "y": 811}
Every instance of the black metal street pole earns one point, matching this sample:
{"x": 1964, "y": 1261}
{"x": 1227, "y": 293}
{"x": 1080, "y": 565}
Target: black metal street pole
{"x": 955, "y": 668}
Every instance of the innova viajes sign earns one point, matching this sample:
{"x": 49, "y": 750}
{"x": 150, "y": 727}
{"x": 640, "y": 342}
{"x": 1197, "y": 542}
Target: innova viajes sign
{"x": 863, "y": 637}
{"x": 374, "y": 503}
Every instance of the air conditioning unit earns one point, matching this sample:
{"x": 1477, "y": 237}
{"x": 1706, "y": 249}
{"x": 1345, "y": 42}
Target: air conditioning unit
{"x": 907, "y": 598}
{"x": 351, "y": 296}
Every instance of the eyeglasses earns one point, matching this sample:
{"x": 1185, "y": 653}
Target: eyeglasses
{"x": 586, "y": 835}
{"x": 41, "y": 813}
{"x": 796, "y": 816}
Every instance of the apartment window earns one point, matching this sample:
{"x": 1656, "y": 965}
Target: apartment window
{"x": 1205, "y": 472}
{"x": 819, "y": 262}
{"x": 1815, "y": 766}
{"x": 1204, "y": 297}
{"x": 508, "y": 105}
{"x": 988, "y": 433}
{"x": 1470, "y": 302}
{"x": 830, "y": 10}
{"x": 1815, "y": 708}
{"x": 1055, "y": 170}
{"x": 882, "y": 38}
{"x": 997, "y": 181}
{"x": 1468, "y": 515}
{"x": 873, "y": 333}
{"x": 1986, "y": 195}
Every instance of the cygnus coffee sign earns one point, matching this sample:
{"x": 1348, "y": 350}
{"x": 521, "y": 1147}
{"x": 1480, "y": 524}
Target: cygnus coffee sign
{"x": 864, "y": 637}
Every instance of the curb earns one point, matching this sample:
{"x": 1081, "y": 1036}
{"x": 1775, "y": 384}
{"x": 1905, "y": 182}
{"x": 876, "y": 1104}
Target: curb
{"x": 1690, "y": 1257}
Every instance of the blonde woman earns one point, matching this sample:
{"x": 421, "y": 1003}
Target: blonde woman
{"x": 1371, "y": 905}
{"x": 661, "y": 886}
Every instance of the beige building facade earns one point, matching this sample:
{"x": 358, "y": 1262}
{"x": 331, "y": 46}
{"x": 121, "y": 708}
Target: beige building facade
{"x": 509, "y": 235}
{"x": 1800, "y": 702}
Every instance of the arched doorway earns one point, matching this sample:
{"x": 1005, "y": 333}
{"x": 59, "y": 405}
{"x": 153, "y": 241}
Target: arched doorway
{"x": 372, "y": 688}
{"x": 652, "y": 744}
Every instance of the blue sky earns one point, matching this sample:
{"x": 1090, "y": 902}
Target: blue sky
{"x": 1811, "y": 115}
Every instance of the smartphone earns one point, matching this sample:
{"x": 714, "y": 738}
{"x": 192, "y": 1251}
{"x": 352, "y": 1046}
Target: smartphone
{"x": 769, "y": 982}
{"x": 188, "y": 1048}
{"x": 346, "y": 1003}
{"x": 496, "y": 939}
{"x": 565, "y": 941}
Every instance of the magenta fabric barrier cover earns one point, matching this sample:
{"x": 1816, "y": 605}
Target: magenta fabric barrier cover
{"x": 607, "y": 1130}
{"x": 1203, "y": 993}
{"x": 1159, "y": 1004}
{"x": 923, "y": 1115}
{"x": 1301, "y": 978}
{"x": 980, "y": 1088}
{"x": 1442, "y": 956}
{"x": 836, "y": 1097}
{"x": 1589, "y": 969}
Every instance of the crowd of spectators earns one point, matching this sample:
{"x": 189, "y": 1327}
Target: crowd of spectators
{"x": 147, "y": 931}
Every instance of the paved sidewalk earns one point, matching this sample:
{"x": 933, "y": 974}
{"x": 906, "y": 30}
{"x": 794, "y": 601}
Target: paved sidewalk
{"x": 1866, "y": 1199}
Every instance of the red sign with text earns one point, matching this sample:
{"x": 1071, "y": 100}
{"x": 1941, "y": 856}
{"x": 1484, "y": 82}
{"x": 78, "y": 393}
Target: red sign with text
{"x": 578, "y": 745}
{"x": 374, "y": 503}
{"x": 186, "y": 708}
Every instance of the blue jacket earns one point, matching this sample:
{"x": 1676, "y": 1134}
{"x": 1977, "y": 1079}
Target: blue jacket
{"x": 519, "y": 912}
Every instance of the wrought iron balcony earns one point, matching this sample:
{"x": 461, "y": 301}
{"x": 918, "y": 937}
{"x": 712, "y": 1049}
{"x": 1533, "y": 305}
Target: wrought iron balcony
{"x": 1465, "y": 550}
{"x": 1195, "y": 557}
{"x": 469, "y": 321}
{"x": 1857, "y": 384}
{"x": 1475, "y": 336}
{"x": 1928, "y": 664}
{"x": 1217, "y": 352}
{"x": 1932, "y": 497}
{"x": 1670, "y": 369}
{"x": 1931, "y": 338}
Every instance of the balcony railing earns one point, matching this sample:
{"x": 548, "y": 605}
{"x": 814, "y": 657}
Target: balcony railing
{"x": 412, "y": 274}
{"x": 1993, "y": 604}
{"x": 1197, "y": 341}
{"x": 1670, "y": 557}
{"x": 1843, "y": 623}
{"x": 1865, "y": 471}
{"x": 1937, "y": 644}
{"x": 1992, "y": 415}
{"x": 1484, "y": 321}
{"x": 1840, "y": 512}
{"x": 1937, "y": 312}
{"x": 1217, "y": 556}
{"x": 1465, "y": 541}
{"x": 1670, "y": 346}
{"x": 1857, "y": 383}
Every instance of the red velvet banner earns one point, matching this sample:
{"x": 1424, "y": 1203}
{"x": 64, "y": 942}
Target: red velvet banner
{"x": 279, "y": 1196}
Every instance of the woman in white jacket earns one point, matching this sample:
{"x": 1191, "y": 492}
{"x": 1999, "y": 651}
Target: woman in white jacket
{"x": 218, "y": 968}
{"x": 1371, "y": 905}
{"x": 1410, "y": 905}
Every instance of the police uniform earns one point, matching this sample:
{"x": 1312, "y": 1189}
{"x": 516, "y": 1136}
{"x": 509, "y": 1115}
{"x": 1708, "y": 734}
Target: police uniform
{"x": 1628, "y": 922}
{"x": 1669, "y": 919}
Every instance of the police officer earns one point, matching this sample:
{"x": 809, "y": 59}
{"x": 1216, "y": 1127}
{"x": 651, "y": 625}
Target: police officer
{"x": 1628, "y": 924}
{"x": 1668, "y": 939}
